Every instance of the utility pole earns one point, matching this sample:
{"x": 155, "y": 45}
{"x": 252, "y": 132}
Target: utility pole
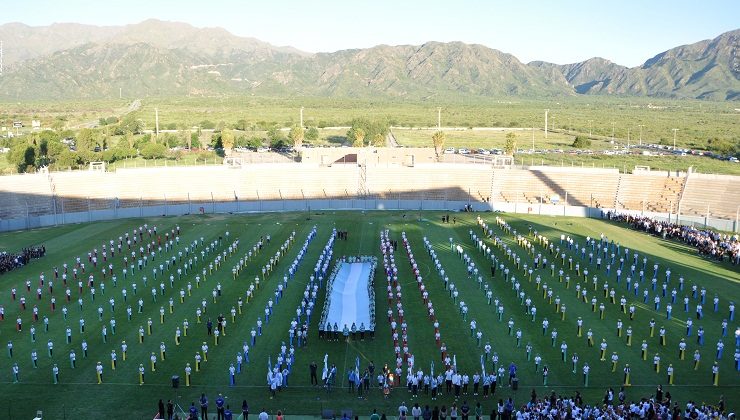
{"x": 439, "y": 118}
{"x": 532, "y": 139}
{"x": 546, "y": 111}
{"x": 613, "y": 125}
{"x": 301, "y": 117}
{"x": 156, "y": 122}
{"x": 589, "y": 127}
{"x": 641, "y": 125}
{"x": 674, "y": 137}
{"x": 628, "y": 140}
{"x": 120, "y": 93}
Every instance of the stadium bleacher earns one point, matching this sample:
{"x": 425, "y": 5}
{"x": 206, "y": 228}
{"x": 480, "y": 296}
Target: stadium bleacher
{"x": 82, "y": 191}
{"x": 714, "y": 195}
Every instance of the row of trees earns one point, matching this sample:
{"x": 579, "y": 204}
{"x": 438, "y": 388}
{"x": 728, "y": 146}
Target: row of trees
{"x": 47, "y": 149}
{"x": 74, "y": 150}
{"x": 439, "y": 138}
{"x": 365, "y": 132}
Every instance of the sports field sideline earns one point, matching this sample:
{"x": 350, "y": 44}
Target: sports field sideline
{"x": 121, "y": 396}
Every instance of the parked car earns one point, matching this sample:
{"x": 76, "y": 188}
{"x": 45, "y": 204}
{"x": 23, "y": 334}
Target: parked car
{"x": 463, "y": 151}
{"x": 484, "y": 152}
{"x": 449, "y": 151}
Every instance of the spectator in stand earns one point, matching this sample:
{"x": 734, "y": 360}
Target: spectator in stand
{"x": 712, "y": 244}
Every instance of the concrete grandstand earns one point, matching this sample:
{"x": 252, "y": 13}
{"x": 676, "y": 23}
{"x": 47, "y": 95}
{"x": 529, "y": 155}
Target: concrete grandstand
{"x": 346, "y": 174}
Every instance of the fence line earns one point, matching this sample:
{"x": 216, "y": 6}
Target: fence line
{"x": 114, "y": 211}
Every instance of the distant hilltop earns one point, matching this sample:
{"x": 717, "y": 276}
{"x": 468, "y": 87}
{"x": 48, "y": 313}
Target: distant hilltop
{"x": 156, "y": 58}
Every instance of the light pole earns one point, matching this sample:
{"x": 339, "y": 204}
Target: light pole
{"x": 533, "y": 139}
{"x": 546, "y": 111}
{"x": 589, "y": 127}
{"x": 613, "y": 125}
{"x": 628, "y": 140}
{"x": 301, "y": 117}
{"x": 439, "y": 118}
{"x": 641, "y": 125}
{"x": 674, "y": 138}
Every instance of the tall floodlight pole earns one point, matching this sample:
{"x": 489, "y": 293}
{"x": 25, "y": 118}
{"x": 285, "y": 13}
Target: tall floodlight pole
{"x": 532, "y": 139}
{"x": 641, "y": 125}
{"x": 674, "y": 138}
{"x": 613, "y": 125}
{"x": 301, "y": 117}
{"x": 628, "y": 140}
{"x": 439, "y": 119}
{"x": 156, "y": 122}
{"x": 546, "y": 111}
{"x": 589, "y": 127}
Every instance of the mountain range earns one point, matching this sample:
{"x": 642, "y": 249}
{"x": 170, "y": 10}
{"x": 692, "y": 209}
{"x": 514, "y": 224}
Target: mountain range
{"x": 156, "y": 58}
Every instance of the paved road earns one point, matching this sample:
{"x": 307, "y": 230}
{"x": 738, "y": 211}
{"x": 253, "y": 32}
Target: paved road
{"x": 133, "y": 106}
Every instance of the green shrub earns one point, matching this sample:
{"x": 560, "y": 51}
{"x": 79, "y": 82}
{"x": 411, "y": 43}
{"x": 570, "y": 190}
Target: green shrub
{"x": 154, "y": 151}
{"x": 581, "y": 142}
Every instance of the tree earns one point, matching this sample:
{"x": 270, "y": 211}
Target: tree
{"x": 510, "y": 146}
{"x": 207, "y": 125}
{"x": 153, "y": 151}
{"x": 275, "y": 135}
{"x": 581, "y": 142}
{"x": 194, "y": 141}
{"x": 29, "y": 158}
{"x": 369, "y": 129}
{"x": 86, "y": 139}
{"x": 227, "y": 138}
{"x": 129, "y": 138}
{"x": 130, "y": 124}
{"x": 183, "y": 137}
{"x": 296, "y": 136}
{"x": 278, "y": 143}
{"x": 170, "y": 140}
{"x": 66, "y": 159}
{"x": 56, "y": 148}
{"x": 358, "y": 136}
{"x": 438, "y": 139}
{"x": 254, "y": 143}
{"x": 378, "y": 140}
{"x": 22, "y": 156}
{"x": 142, "y": 141}
{"x": 312, "y": 134}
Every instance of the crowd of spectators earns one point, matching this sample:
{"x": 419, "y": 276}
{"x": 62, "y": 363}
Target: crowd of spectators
{"x": 715, "y": 245}
{"x": 10, "y": 261}
{"x": 614, "y": 406}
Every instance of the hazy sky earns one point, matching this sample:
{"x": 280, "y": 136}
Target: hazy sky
{"x": 627, "y": 32}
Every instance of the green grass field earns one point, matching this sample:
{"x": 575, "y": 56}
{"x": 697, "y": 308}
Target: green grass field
{"x": 78, "y": 395}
